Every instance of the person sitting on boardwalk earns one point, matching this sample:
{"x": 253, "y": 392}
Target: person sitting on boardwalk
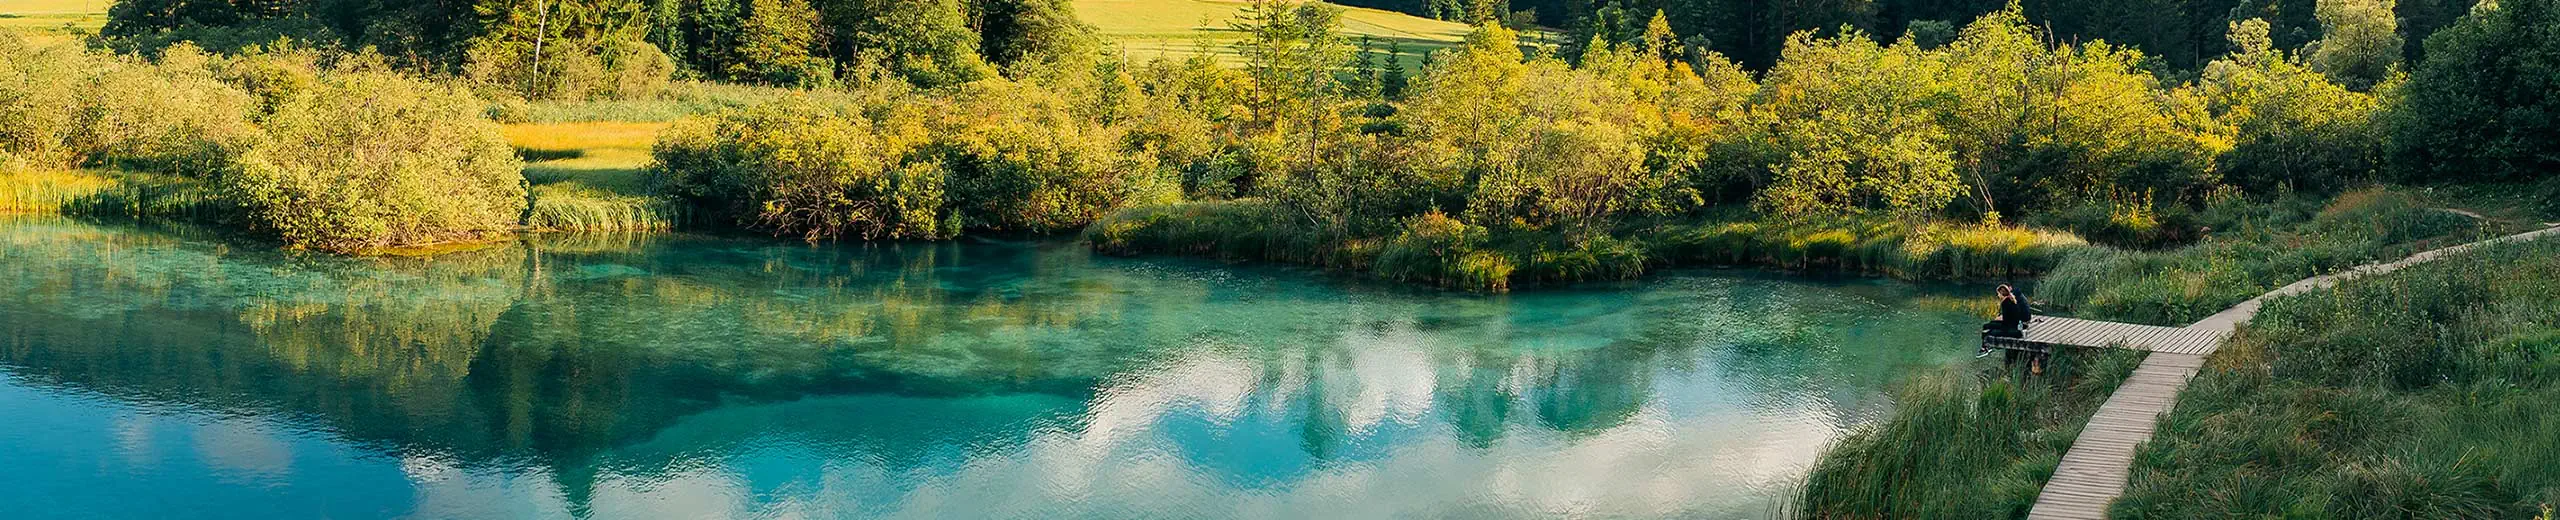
{"x": 2014, "y": 315}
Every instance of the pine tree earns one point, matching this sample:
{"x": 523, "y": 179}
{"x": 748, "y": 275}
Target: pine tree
{"x": 1392, "y": 82}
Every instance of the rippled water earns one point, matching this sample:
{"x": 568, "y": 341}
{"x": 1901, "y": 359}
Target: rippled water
{"x": 145, "y": 374}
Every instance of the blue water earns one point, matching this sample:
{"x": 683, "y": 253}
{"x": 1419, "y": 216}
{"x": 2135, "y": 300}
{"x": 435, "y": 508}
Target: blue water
{"x": 153, "y": 374}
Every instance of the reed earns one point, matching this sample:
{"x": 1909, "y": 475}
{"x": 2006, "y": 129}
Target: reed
{"x": 49, "y": 192}
{"x": 1958, "y": 446}
{"x": 113, "y": 194}
{"x": 1865, "y": 245}
{"x": 2425, "y": 393}
{"x": 569, "y": 206}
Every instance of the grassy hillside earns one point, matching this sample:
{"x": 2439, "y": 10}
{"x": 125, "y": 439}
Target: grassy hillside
{"x": 1144, "y": 28}
{"x": 1181, "y": 28}
{"x": 48, "y": 20}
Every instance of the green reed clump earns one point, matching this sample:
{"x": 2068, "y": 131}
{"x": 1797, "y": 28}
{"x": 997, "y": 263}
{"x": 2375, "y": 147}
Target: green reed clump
{"x": 113, "y": 194}
{"x": 48, "y": 191}
{"x": 2254, "y": 248}
{"x": 1236, "y": 230}
{"x": 574, "y": 207}
{"x": 2425, "y": 393}
{"x": 1958, "y": 448}
{"x": 1866, "y": 245}
{"x": 1434, "y": 249}
{"x": 1439, "y": 250}
{"x": 603, "y": 200}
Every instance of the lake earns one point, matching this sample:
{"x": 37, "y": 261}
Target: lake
{"x": 158, "y": 374}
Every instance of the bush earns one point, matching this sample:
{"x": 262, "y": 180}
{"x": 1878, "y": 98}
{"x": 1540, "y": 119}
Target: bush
{"x": 370, "y": 159}
{"x": 1248, "y": 229}
{"x": 1020, "y": 159}
{"x": 1437, "y": 250}
{"x": 63, "y": 108}
{"x": 814, "y": 166}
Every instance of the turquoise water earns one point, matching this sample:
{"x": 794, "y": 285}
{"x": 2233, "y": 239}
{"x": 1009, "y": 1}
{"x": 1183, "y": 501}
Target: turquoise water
{"x": 145, "y": 374}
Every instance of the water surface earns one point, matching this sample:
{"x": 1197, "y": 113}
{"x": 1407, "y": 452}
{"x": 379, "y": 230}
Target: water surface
{"x": 145, "y": 374}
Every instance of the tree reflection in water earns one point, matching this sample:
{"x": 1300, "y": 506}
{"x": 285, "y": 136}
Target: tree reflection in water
{"x": 979, "y": 379}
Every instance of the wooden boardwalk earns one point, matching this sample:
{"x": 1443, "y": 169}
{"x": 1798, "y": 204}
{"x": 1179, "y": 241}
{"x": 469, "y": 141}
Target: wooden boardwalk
{"x": 2091, "y": 333}
{"x": 2100, "y": 463}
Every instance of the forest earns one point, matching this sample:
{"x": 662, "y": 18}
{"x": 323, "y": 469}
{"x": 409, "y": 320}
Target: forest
{"x": 2153, "y": 161}
{"x": 1591, "y": 150}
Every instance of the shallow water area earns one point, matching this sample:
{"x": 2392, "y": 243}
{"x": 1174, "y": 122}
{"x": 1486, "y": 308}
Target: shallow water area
{"x": 151, "y": 374}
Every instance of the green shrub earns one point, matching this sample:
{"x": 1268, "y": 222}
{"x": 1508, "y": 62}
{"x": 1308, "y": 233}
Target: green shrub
{"x": 1020, "y": 159}
{"x": 61, "y": 107}
{"x": 1241, "y": 230}
{"x": 369, "y": 159}
{"x": 2128, "y": 225}
{"x": 817, "y": 167}
{"x": 1446, "y": 252}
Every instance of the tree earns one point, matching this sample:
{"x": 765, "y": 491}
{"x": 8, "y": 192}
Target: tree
{"x": 1539, "y": 144}
{"x": 1291, "y": 50}
{"x": 2359, "y": 44}
{"x": 1658, "y": 39}
{"x": 774, "y": 45}
{"x": 556, "y": 49}
{"x": 927, "y": 42}
{"x": 1392, "y": 81}
{"x": 1013, "y": 33}
{"x": 1854, "y": 122}
{"x": 2294, "y": 128}
{"x": 2483, "y": 106}
{"x": 2036, "y": 122}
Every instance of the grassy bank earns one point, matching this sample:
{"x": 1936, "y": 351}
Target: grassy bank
{"x": 1436, "y": 250}
{"x": 2253, "y": 248}
{"x": 588, "y": 176}
{"x": 2426, "y": 393}
{"x": 1959, "y": 448}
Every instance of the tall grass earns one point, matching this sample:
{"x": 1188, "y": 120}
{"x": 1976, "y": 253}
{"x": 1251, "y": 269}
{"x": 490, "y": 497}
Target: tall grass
{"x": 2426, "y": 393}
{"x": 1240, "y": 230}
{"x": 113, "y": 194}
{"x": 1432, "y": 249}
{"x": 587, "y": 177}
{"x": 1867, "y": 245}
{"x": 48, "y": 192}
{"x": 572, "y": 206}
{"x": 1959, "y": 448}
{"x": 2254, "y": 248}
{"x": 682, "y": 98}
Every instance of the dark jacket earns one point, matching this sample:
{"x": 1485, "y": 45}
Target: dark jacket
{"x": 2014, "y": 311}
